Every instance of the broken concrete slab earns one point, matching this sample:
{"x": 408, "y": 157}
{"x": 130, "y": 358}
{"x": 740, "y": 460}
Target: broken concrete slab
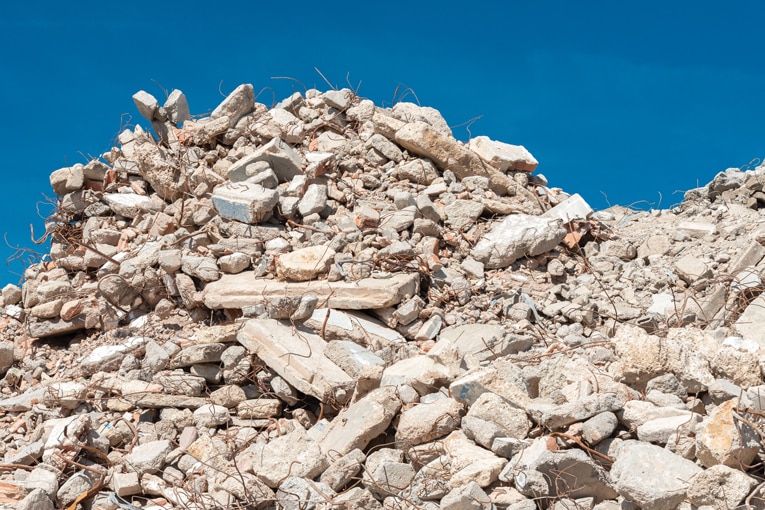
{"x": 246, "y": 289}
{"x": 297, "y": 354}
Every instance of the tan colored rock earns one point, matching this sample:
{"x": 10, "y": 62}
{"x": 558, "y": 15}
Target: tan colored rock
{"x": 159, "y": 169}
{"x": 246, "y": 289}
{"x": 428, "y": 421}
{"x": 723, "y": 439}
{"x": 305, "y": 264}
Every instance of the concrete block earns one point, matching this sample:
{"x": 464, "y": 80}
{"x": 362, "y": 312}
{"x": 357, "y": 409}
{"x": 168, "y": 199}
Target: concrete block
{"x": 503, "y": 156}
{"x": 651, "y": 476}
{"x": 573, "y": 208}
{"x": 244, "y": 201}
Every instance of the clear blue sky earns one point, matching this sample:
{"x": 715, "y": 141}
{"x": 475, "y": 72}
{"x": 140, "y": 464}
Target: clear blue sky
{"x": 626, "y": 99}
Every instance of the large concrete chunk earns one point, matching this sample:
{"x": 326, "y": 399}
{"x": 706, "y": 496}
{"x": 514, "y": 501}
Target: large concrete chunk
{"x": 237, "y": 104}
{"x": 651, "y": 476}
{"x": 362, "y": 422}
{"x": 426, "y": 422}
{"x": 244, "y": 201}
{"x": 448, "y": 154}
{"x": 159, "y": 168}
{"x": 503, "y": 156}
{"x": 246, "y": 289}
{"x": 284, "y": 161}
{"x": 517, "y": 236}
{"x": 297, "y": 354}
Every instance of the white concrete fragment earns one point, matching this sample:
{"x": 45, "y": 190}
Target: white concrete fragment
{"x": 516, "y": 236}
{"x": 503, "y": 156}
{"x": 573, "y": 208}
{"x": 246, "y": 289}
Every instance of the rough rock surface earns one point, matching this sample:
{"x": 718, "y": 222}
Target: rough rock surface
{"x": 332, "y": 304}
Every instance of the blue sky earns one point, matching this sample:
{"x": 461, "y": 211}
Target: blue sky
{"x": 632, "y": 101}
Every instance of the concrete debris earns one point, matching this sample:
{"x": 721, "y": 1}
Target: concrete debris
{"x": 332, "y": 304}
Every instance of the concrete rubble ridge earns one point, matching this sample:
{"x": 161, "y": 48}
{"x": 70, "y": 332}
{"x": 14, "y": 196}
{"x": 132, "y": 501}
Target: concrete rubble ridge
{"x": 330, "y": 304}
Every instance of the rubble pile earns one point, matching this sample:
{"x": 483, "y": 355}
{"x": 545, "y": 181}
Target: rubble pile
{"x": 329, "y": 304}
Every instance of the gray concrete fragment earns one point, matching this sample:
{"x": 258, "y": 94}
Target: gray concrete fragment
{"x": 75, "y": 485}
{"x": 468, "y": 497}
{"x": 37, "y": 499}
{"x": 423, "y": 373}
{"x": 258, "y": 409}
{"x": 361, "y": 422}
{"x": 314, "y": 200}
{"x": 203, "y": 268}
{"x": 599, "y": 427}
{"x": 297, "y": 493}
{"x": 356, "y": 327}
{"x": 517, "y": 236}
{"x": 361, "y": 364}
{"x": 357, "y": 499}
{"x": 297, "y": 354}
{"x": 560, "y": 415}
{"x": 66, "y": 180}
{"x": 148, "y": 457}
{"x": 651, "y": 476}
{"x": 463, "y": 213}
{"x": 211, "y": 415}
{"x": 177, "y": 107}
{"x": 691, "y": 269}
{"x": 198, "y": 353}
{"x": 571, "y": 209}
{"x": 234, "y": 263}
{"x": 491, "y": 407}
{"x": 293, "y": 454}
{"x": 343, "y": 470}
{"x": 423, "y": 140}
{"x": 147, "y": 104}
